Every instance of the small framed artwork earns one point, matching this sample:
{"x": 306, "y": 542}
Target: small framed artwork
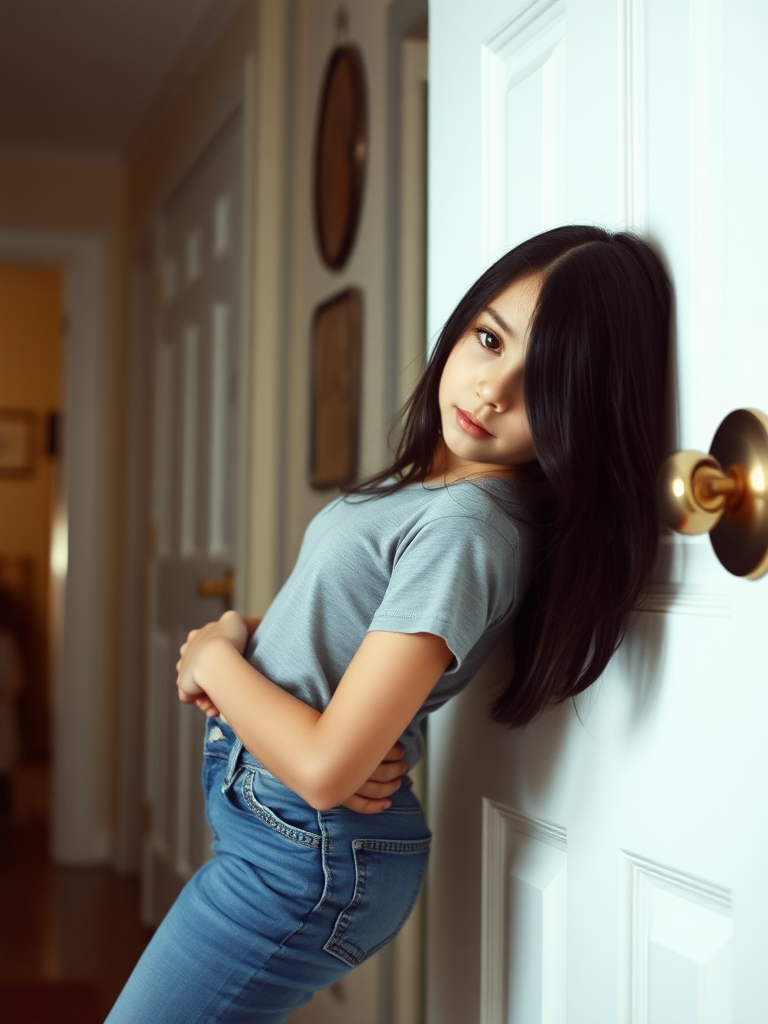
{"x": 336, "y": 361}
{"x": 17, "y": 442}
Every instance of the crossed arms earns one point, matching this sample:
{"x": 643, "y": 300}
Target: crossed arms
{"x": 326, "y": 757}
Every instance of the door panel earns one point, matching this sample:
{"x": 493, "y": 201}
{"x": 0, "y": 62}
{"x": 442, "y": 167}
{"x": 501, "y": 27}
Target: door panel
{"x": 195, "y": 451}
{"x": 601, "y": 866}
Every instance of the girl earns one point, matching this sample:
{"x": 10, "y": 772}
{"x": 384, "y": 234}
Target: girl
{"x": 512, "y": 496}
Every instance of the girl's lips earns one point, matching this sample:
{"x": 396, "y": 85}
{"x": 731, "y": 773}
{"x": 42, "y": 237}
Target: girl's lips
{"x": 468, "y": 425}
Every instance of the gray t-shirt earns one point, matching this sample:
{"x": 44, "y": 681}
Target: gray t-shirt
{"x": 442, "y": 560}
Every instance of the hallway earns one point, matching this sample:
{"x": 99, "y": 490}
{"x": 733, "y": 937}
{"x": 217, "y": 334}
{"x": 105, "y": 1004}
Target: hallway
{"x": 59, "y": 923}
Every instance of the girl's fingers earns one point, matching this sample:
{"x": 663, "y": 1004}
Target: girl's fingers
{"x": 206, "y": 704}
{"x": 395, "y": 754}
{"x": 378, "y": 790}
{"x": 389, "y": 770}
{"x": 363, "y": 806}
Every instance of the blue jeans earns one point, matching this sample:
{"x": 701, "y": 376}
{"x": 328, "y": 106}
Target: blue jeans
{"x": 292, "y": 899}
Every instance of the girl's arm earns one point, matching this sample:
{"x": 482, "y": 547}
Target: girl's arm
{"x": 370, "y": 798}
{"x": 322, "y": 757}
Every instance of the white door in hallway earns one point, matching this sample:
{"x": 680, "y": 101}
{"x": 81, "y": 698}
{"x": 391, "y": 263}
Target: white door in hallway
{"x": 198, "y": 355}
{"x": 612, "y": 868}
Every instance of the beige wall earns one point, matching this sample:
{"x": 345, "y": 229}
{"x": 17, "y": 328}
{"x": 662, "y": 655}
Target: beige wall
{"x": 58, "y": 190}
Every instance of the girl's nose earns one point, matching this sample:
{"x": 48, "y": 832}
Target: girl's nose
{"x": 498, "y": 389}
{"x": 486, "y": 392}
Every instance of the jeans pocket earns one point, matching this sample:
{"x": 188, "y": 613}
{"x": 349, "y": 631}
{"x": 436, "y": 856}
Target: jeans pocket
{"x": 262, "y": 795}
{"x": 388, "y": 876}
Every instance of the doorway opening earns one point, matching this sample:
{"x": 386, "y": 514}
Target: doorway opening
{"x": 31, "y": 310}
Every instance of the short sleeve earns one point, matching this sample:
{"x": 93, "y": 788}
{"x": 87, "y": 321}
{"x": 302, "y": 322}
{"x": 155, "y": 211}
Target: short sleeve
{"x": 454, "y": 577}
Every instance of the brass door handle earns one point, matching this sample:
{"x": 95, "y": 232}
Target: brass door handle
{"x": 224, "y": 587}
{"x": 724, "y": 492}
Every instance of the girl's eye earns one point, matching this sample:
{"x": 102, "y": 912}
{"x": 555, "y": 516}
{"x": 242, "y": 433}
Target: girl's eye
{"x": 487, "y": 339}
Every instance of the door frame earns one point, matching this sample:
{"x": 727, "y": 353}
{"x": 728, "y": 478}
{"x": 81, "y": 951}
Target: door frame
{"x": 79, "y": 591}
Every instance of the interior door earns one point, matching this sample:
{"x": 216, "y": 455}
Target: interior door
{"x": 194, "y": 492}
{"x": 608, "y": 866}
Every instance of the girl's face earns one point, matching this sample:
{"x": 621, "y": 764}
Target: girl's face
{"x": 484, "y": 424}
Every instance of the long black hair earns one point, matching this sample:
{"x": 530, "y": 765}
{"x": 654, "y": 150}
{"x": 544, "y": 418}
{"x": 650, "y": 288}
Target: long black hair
{"x": 595, "y": 394}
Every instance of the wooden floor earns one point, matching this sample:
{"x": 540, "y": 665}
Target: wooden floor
{"x": 60, "y": 923}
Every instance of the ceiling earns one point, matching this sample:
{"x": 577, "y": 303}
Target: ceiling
{"x": 82, "y": 74}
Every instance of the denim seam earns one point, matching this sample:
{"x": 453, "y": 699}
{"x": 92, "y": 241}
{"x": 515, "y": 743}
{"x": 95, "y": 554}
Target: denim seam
{"x": 327, "y": 870}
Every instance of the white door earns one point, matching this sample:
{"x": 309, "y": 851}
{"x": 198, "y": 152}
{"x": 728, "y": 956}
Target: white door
{"x": 613, "y": 868}
{"x": 194, "y": 491}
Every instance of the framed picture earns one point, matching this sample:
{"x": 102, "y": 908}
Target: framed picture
{"x": 336, "y": 360}
{"x": 17, "y": 442}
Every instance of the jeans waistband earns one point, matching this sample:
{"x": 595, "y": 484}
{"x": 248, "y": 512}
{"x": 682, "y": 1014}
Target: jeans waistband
{"x": 234, "y": 757}
{"x": 238, "y": 757}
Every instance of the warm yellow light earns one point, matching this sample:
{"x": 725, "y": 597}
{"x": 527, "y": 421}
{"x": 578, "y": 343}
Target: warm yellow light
{"x": 757, "y": 479}
{"x": 678, "y": 487}
{"x": 59, "y": 546}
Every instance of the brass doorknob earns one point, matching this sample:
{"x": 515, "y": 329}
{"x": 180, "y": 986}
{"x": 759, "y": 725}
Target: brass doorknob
{"x": 724, "y": 492}
{"x": 224, "y": 587}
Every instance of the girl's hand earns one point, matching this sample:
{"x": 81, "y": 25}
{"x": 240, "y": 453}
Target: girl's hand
{"x": 372, "y": 796}
{"x": 229, "y": 627}
{"x": 204, "y": 702}
{"x": 251, "y": 624}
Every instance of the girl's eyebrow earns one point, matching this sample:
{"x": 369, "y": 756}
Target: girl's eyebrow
{"x": 499, "y": 319}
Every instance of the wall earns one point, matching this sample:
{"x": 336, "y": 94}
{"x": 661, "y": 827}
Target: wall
{"x": 62, "y": 190}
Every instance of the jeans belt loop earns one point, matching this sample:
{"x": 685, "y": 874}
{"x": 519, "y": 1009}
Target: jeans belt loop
{"x": 234, "y": 756}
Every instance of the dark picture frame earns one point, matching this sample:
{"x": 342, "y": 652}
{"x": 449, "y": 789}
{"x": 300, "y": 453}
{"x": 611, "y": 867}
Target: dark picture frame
{"x": 17, "y": 442}
{"x": 335, "y": 402}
